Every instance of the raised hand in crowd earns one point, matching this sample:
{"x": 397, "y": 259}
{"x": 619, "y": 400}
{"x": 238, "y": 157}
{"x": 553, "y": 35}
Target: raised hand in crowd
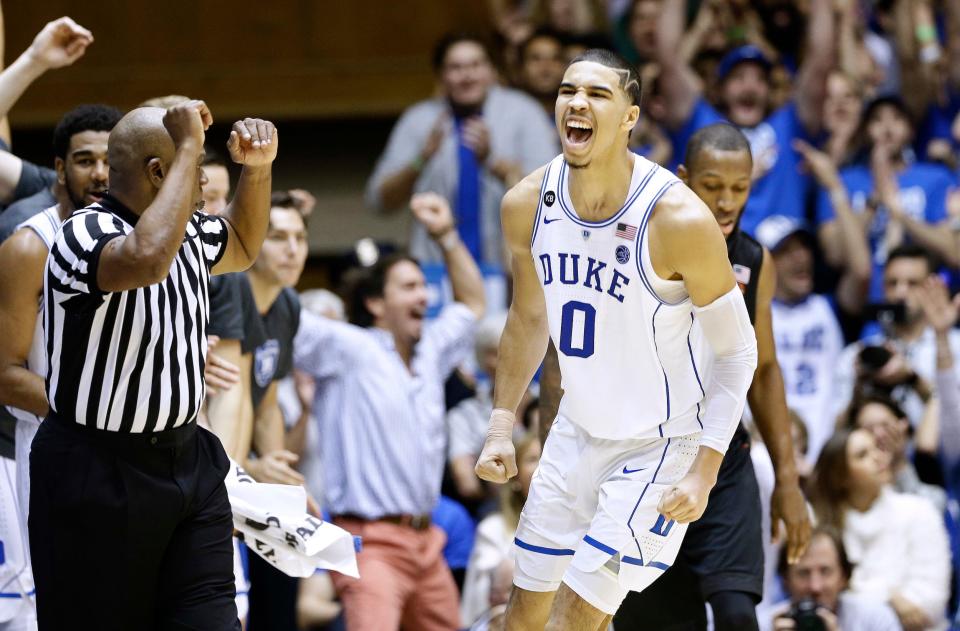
{"x": 939, "y": 309}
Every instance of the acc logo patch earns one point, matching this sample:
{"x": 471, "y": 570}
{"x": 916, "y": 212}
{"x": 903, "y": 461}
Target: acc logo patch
{"x": 265, "y": 360}
{"x": 623, "y": 254}
{"x": 549, "y": 197}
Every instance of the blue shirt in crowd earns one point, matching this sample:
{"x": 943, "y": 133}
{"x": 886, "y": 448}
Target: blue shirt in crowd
{"x": 782, "y": 188}
{"x": 923, "y": 195}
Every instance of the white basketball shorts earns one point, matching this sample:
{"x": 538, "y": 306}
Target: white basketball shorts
{"x": 591, "y": 517}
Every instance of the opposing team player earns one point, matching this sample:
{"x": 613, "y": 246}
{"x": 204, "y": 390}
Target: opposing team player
{"x": 614, "y": 259}
{"x": 721, "y": 559}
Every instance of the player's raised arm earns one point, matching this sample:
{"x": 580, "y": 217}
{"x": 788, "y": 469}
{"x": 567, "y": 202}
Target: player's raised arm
{"x": 524, "y": 340}
{"x": 690, "y": 244}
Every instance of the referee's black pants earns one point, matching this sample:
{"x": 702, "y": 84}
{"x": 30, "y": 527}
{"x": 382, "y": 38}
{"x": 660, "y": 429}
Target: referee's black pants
{"x": 130, "y": 532}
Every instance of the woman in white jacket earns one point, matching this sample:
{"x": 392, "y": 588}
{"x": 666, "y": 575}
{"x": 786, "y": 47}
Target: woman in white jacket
{"x": 490, "y": 569}
{"x": 897, "y": 542}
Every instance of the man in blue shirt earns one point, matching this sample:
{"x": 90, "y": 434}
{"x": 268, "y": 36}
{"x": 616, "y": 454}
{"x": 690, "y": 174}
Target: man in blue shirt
{"x": 905, "y": 200}
{"x": 779, "y": 186}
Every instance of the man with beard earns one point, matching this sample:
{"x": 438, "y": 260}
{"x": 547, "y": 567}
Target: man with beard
{"x": 908, "y": 367}
{"x": 745, "y": 95}
{"x": 380, "y": 403}
{"x": 80, "y": 144}
{"x": 80, "y": 161}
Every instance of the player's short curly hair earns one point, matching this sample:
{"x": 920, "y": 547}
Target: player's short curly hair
{"x": 80, "y": 119}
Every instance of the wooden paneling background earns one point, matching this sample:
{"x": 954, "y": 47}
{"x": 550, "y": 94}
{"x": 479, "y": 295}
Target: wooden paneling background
{"x": 280, "y": 58}
{"x": 333, "y": 74}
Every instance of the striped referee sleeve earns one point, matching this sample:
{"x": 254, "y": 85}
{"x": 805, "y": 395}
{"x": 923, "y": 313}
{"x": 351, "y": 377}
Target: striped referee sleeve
{"x": 76, "y": 252}
{"x": 213, "y": 235}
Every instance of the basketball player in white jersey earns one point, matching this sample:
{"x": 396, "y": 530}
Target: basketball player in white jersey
{"x": 613, "y": 258}
{"x": 80, "y": 160}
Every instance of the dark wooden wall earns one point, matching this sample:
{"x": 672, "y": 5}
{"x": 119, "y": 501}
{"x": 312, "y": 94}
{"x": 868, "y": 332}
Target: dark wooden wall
{"x": 283, "y": 59}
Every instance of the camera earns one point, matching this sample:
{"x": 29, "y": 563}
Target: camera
{"x": 873, "y": 358}
{"x": 804, "y": 614}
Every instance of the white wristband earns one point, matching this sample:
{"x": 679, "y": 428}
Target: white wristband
{"x": 501, "y": 424}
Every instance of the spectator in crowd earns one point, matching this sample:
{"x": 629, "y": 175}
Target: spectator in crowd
{"x": 842, "y": 109}
{"x": 215, "y": 180}
{"x": 899, "y": 199}
{"x": 818, "y": 589}
{"x": 571, "y": 17}
{"x": 808, "y": 334}
{"x": 490, "y": 571}
{"x": 380, "y": 405}
{"x": 541, "y": 68}
{"x": 467, "y": 422}
{"x": 901, "y": 355}
{"x": 745, "y": 89}
{"x": 897, "y": 542}
{"x": 881, "y": 416}
{"x": 295, "y": 394}
{"x": 469, "y": 145}
{"x": 641, "y": 22}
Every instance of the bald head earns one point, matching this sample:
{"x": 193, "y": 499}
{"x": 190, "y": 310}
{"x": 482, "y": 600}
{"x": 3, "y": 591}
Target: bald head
{"x": 139, "y": 137}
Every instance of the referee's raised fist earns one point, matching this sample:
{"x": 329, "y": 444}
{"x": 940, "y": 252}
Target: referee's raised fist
{"x": 253, "y": 142}
{"x": 187, "y": 122}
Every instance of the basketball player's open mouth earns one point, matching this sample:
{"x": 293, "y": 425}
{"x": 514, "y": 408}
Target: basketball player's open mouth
{"x": 578, "y": 132}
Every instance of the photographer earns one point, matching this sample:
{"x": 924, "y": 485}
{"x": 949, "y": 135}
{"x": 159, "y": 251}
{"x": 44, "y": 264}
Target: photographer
{"x": 901, "y": 356}
{"x": 819, "y": 600}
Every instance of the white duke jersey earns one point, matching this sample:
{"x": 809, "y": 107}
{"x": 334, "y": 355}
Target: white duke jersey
{"x": 622, "y": 333}
{"x": 809, "y": 343}
{"x": 45, "y": 225}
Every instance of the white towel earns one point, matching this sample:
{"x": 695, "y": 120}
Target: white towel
{"x": 274, "y": 522}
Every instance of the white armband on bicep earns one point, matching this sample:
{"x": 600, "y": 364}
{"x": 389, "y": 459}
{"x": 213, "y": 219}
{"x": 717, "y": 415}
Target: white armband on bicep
{"x": 726, "y": 326}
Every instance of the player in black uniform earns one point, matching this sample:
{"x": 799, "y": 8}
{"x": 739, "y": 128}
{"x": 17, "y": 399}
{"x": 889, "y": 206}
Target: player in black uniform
{"x": 721, "y": 559}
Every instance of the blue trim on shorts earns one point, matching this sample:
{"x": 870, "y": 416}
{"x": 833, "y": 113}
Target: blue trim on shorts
{"x": 632, "y": 560}
{"x": 658, "y": 565}
{"x": 17, "y": 595}
{"x": 599, "y": 546}
{"x": 557, "y": 552}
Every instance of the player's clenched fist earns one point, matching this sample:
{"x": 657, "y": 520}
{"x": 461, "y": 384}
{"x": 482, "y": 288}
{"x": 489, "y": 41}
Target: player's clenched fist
{"x": 253, "y": 142}
{"x": 187, "y": 122}
{"x": 686, "y": 500}
{"x": 498, "y": 460}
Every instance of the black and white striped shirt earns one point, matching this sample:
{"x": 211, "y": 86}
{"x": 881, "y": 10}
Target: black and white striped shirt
{"x": 130, "y": 361}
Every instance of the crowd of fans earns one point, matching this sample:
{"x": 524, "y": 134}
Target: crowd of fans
{"x": 852, "y": 111}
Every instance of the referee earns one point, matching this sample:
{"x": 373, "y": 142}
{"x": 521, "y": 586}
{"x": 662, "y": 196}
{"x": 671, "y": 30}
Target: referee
{"x": 129, "y": 522}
